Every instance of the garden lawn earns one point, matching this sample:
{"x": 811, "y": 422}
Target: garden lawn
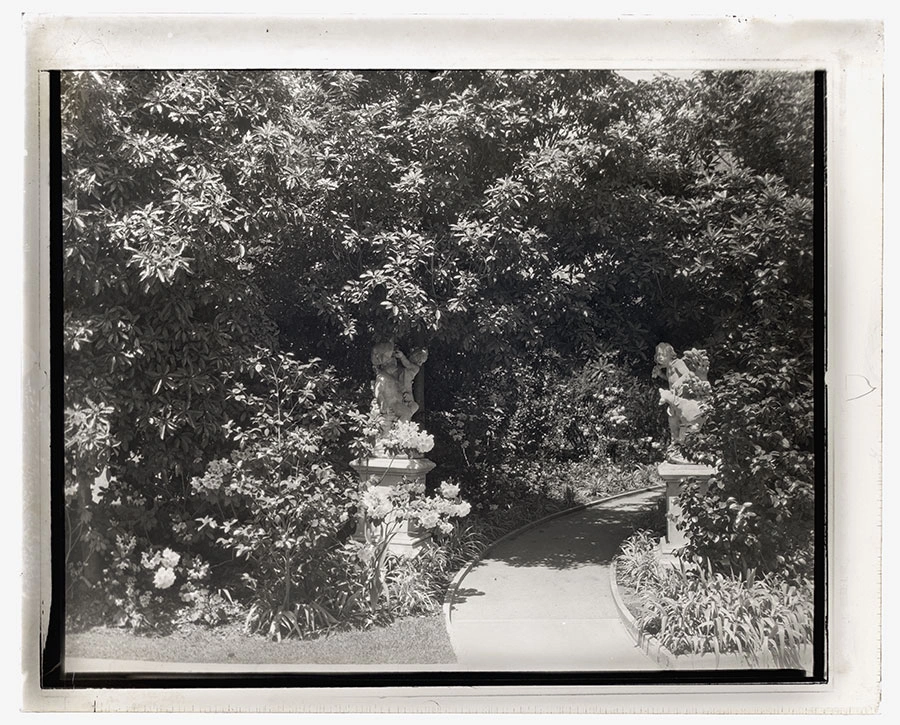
{"x": 415, "y": 641}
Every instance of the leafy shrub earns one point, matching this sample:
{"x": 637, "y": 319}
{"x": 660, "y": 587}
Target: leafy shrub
{"x": 760, "y": 430}
{"x": 600, "y": 412}
{"x": 694, "y": 610}
{"x": 281, "y": 526}
{"x": 759, "y": 509}
{"x": 554, "y": 409}
{"x": 334, "y": 596}
{"x": 158, "y": 309}
{"x": 291, "y": 411}
{"x": 278, "y": 505}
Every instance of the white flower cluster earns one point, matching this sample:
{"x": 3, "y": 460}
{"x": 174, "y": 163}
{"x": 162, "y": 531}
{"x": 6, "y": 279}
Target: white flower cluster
{"x": 199, "y": 571}
{"x": 164, "y": 562}
{"x": 449, "y": 490}
{"x": 376, "y": 502}
{"x": 617, "y": 415}
{"x": 436, "y": 511}
{"x": 164, "y": 578}
{"x": 166, "y": 557}
{"x": 407, "y": 437}
{"x": 216, "y": 473}
{"x": 429, "y": 519}
{"x": 408, "y": 502}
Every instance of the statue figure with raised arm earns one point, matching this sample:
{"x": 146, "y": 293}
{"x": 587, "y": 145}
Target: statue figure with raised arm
{"x": 394, "y": 376}
{"x": 686, "y": 396}
{"x": 408, "y": 372}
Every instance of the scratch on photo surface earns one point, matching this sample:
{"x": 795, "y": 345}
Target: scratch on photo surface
{"x": 854, "y": 382}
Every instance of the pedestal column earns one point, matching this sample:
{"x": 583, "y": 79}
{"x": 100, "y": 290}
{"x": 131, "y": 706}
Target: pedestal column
{"x": 390, "y": 472}
{"x": 675, "y": 475}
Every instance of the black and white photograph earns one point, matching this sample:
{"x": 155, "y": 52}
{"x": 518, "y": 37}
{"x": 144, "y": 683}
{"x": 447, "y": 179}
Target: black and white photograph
{"x": 466, "y": 373}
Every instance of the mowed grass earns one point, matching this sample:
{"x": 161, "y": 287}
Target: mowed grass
{"x": 413, "y": 641}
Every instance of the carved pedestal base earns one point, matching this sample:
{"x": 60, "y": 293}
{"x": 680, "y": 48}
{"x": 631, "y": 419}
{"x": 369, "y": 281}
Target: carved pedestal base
{"x": 390, "y": 472}
{"x": 675, "y": 475}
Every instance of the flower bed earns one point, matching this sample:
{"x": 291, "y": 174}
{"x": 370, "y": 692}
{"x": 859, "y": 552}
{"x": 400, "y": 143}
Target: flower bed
{"x": 710, "y": 619}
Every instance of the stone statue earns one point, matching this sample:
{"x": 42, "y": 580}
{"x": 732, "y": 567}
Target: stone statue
{"x": 388, "y": 395}
{"x": 686, "y": 396}
{"x": 411, "y": 367}
{"x": 394, "y": 375}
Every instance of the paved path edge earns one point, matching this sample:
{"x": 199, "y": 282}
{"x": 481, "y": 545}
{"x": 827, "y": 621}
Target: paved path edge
{"x": 662, "y": 655}
{"x": 463, "y": 572}
{"x": 647, "y": 643}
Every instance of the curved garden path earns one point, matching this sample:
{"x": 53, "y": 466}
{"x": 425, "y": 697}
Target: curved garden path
{"x": 540, "y": 599}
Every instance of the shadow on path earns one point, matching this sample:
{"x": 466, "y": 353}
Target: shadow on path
{"x": 463, "y": 594}
{"x": 541, "y": 600}
{"x": 584, "y": 538}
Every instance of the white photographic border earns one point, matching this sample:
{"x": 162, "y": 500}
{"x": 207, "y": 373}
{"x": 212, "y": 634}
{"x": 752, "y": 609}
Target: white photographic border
{"x": 851, "y": 54}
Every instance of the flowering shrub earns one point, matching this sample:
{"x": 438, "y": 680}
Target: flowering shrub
{"x": 148, "y": 588}
{"x": 289, "y": 423}
{"x": 275, "y": 510}
{"x": 164, "y": 562}
{"x": 387, "y": 510}
{"x": 391, "y": 505}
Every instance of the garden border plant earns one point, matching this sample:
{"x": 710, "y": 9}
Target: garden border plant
{"x": 692, "y": 610}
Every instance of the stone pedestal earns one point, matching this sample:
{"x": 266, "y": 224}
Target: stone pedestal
{"x": 675, "y": 475}
{"x": 390, "y": 472}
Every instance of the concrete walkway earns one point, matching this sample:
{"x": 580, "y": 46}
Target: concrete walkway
{"x": 541, "y": 599}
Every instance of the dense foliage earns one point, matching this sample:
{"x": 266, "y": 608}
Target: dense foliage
{"x": 235, "y": 242}
{"x": 759, "y": 233}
